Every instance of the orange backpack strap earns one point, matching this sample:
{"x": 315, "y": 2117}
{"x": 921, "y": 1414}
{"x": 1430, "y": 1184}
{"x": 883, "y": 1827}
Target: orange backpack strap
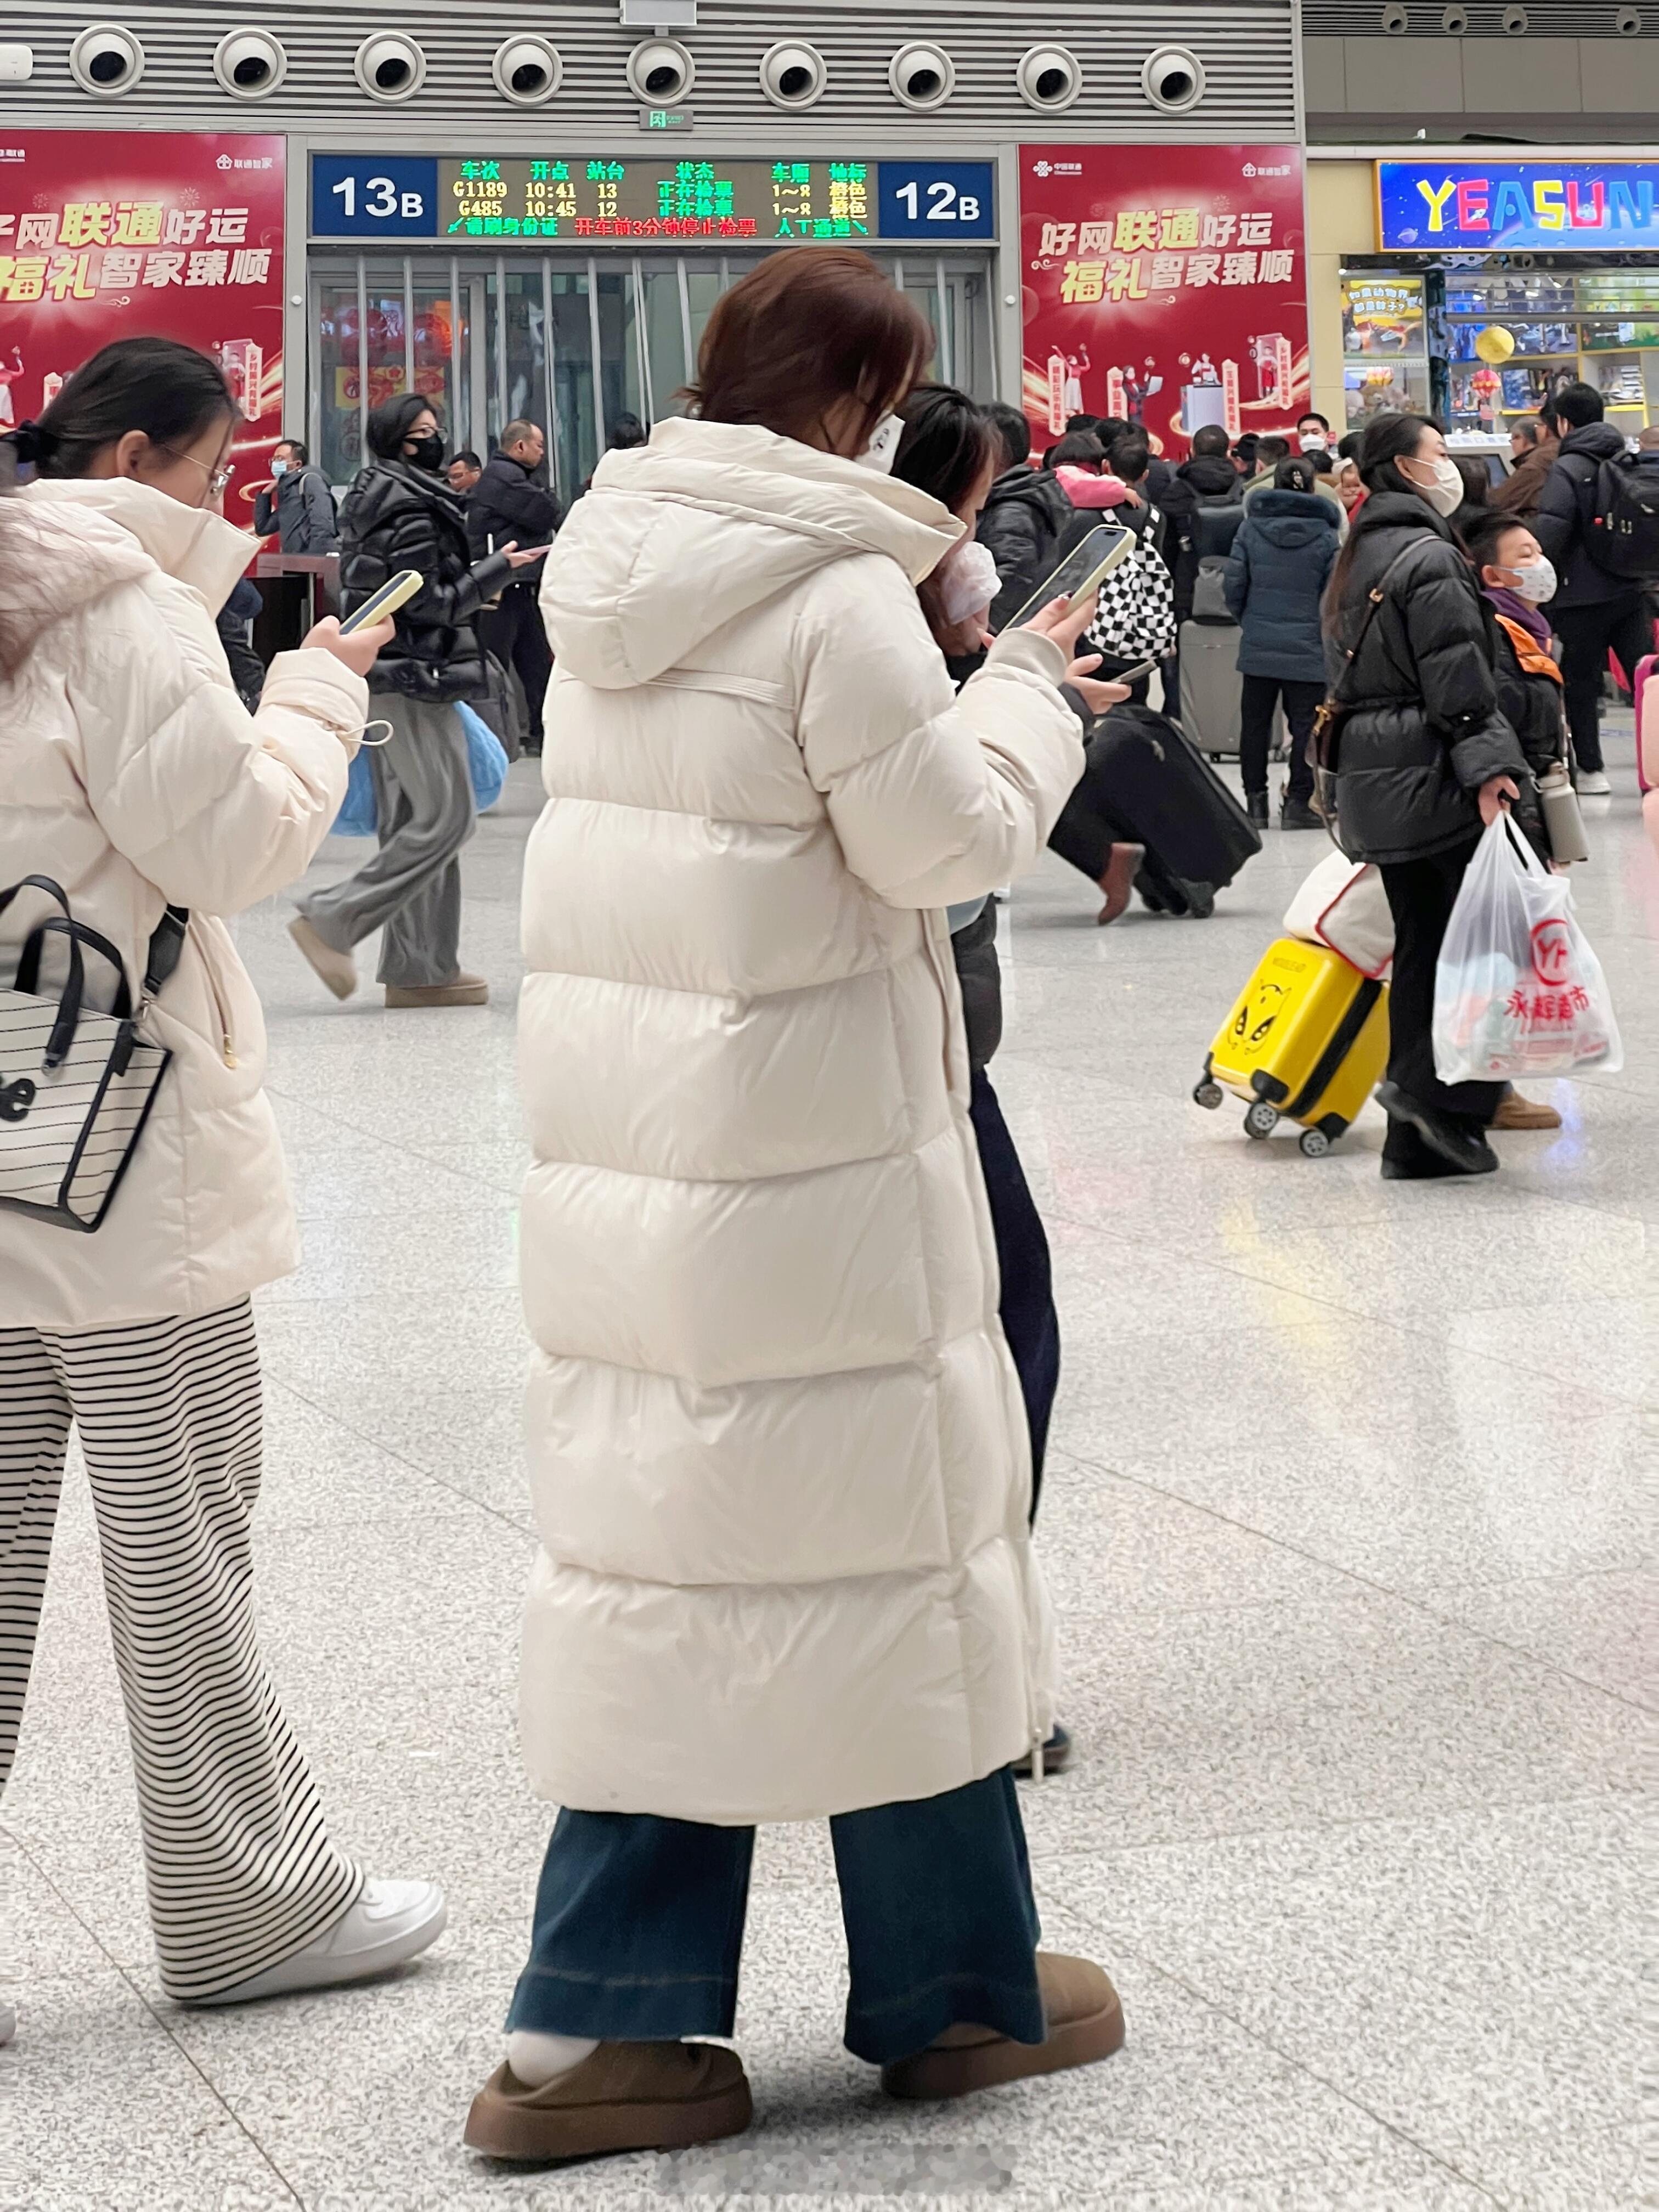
{"x": 1534, "y": 660}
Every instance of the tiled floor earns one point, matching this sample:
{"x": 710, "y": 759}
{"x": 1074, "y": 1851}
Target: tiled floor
{"x": 1346, "y": 1522}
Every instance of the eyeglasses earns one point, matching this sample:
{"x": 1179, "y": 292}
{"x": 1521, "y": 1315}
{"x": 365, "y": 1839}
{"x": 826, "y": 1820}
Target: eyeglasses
{"x": 218, "y": 478}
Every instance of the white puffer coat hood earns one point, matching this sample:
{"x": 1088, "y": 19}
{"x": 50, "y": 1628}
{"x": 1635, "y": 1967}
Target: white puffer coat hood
{"x": 132, "y": 775}
{"x": 778, "y": 1452}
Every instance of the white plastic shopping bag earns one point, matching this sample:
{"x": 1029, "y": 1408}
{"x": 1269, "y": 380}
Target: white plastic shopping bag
{"x": 1518, "y": 991}
{"x": 1342, "y": 903}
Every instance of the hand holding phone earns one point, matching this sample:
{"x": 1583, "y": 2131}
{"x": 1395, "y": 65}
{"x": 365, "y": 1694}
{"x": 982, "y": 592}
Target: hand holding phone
{"x": 358, "y": 648}
{"x": 1081, "y": 573}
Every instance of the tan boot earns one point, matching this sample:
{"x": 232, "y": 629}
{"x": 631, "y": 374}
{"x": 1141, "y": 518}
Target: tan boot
{"x": 1085, "y": 2022}
{"x": 628, "y": 2096}
{"x": 338, "y": 969}
{"x": 1515, "y": 1112}
{"x": 461, "y": 990}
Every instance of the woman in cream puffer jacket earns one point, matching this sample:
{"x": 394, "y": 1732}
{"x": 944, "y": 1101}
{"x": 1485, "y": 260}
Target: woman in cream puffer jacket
{"x": 132, "y": 774}
{"x": 779, "y": 1457}
{"x": 776, "y": 1439}
{"x": 132, "y": 777}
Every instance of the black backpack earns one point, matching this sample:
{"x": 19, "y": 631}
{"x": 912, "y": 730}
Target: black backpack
{"x": 1622, "y": 534}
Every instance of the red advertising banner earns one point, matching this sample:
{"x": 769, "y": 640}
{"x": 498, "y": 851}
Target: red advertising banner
{"x": 1165, "y": 283}
{"x": 119, "y": 233}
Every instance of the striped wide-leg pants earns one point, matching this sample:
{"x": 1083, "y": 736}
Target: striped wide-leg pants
{"x": 239, "y": 1868}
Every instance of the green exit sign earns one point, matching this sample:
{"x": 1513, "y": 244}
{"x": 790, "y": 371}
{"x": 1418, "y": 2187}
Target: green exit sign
{"x": 666, "y": 118}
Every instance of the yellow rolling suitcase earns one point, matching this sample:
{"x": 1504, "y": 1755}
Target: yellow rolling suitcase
{"x": 1307, "y": 1042}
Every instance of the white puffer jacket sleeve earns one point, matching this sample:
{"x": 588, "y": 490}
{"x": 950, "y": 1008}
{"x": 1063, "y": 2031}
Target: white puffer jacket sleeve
{"x": 217, "y": 807}
{"x": 933, "y": 797}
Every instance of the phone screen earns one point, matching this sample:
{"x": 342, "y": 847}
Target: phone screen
{"x": 1084, "y": 568}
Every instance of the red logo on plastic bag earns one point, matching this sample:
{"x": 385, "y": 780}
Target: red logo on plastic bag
{"x": 1552, "y": 951}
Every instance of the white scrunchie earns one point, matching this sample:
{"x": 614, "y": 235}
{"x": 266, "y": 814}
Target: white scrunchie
{"x": 969, "y": 578}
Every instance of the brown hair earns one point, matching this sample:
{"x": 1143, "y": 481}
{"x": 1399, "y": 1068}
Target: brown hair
{"x": 812, "y": 324}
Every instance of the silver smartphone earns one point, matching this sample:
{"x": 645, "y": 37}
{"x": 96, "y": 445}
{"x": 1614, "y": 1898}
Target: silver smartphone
{"x": 1085, "y": 569}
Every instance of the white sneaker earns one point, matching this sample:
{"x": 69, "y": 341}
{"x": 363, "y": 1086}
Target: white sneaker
{"x": 390, "y": 1922}
{"x": 1593, "y": 782}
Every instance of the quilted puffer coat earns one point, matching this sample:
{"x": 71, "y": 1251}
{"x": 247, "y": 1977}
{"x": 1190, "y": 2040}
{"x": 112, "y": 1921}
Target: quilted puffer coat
{"x": 133, "y": 775}
{"x": 778, "y": 1458}
{"x": 397, "y": 516}
{"x": 1425, "y": 731}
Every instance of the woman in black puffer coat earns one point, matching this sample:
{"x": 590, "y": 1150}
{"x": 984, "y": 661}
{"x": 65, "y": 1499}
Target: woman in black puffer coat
{"x": 399, "y": 514}
{"x": 1425, "y": 759}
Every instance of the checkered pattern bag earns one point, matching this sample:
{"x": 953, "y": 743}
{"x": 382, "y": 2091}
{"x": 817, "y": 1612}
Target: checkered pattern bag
{"x": 1136, "y": 617}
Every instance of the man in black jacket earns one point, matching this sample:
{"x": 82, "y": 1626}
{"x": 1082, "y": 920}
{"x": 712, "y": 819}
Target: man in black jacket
{"x": 1592, "y": 610}
{"x": 506, "y": 503}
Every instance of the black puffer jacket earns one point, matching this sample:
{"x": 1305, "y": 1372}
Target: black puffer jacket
{"x": 397, "y": 516}
{"x": 1424, "y": 732}
{"x": 1026, "y": 519}
{"x": 1566, "y": 500}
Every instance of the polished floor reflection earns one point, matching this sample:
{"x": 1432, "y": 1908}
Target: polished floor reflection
{"x": 1345, "y": 1522}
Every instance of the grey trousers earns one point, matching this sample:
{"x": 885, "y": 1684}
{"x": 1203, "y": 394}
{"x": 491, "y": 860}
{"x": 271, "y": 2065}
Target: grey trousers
{"x": 412, "y": 889}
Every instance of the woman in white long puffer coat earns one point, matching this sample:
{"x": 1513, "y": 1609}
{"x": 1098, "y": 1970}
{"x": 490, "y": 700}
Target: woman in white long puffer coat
{"x": 780, "y": 1461}
{"x": 134, "y": 779}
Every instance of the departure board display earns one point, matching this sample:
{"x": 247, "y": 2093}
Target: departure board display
{"x": 591, "y": 197}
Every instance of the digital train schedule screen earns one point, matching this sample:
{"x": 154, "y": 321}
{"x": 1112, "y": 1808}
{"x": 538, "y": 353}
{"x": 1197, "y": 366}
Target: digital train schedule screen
{"x": 584, "y": 195}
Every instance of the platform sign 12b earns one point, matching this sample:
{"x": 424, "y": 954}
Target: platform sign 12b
{"x": 938, "y": 200}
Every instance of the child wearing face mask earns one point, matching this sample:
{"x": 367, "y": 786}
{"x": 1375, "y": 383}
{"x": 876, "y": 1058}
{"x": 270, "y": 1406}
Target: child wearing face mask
{"x": 1517, "y": 579}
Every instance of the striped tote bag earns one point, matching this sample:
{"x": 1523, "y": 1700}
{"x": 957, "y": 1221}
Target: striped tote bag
{"x": 75, "y": 1085}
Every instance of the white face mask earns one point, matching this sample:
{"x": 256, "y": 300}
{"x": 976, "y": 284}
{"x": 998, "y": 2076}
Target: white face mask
{"x": 279, "y": 468}
{"x": 1534, "y": 580}
{"x": 883, "y": 445}
{"x": 1314, "y": 441}
{"x": 1445, "y": 494}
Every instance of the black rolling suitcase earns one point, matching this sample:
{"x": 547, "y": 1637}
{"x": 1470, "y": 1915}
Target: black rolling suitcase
{"x": 1170, "y": 800}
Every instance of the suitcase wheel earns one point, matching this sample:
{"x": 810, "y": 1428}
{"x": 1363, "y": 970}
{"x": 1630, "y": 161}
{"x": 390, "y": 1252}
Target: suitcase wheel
{"x": 1208, "y": 1094}
{"x": 1315, "y": 1143}
{"x": 1261, "y": 1120}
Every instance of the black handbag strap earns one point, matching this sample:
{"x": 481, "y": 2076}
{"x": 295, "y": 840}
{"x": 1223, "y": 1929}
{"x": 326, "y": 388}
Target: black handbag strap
{"x": 39, "y": 883}
{"x": 161, "y": 958}
{"x": 74, "y": 991}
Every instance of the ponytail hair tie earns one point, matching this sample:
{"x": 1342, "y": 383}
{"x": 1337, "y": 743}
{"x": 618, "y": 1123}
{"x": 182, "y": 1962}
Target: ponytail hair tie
{"x": 31, "y": 442}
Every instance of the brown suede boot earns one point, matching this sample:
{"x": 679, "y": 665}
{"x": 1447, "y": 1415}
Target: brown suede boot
{"x": 1515, "y": 1112}
{"x": 627, "y": 2096}
{"x": 1085, "y": 2022}
{"x": 1119, "y": 880}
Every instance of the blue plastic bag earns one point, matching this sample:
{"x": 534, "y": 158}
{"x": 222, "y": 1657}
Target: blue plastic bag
{"x": 486, "y": 757}
{"x": 358, "y": 816}
{"x": 486, "y": 761}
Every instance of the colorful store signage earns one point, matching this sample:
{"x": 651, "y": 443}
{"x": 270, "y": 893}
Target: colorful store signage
{"x": 1165, "y": 283}
{"x": 1382, "y": 315}
{"x": 112, "y": 233}
{"x": 586, "y": 195}
{"x": 1428, "y": 206}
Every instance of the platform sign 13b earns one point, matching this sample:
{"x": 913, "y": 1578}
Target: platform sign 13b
{"x": 939, "y": 200}
{"x": 372, "y": 196}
